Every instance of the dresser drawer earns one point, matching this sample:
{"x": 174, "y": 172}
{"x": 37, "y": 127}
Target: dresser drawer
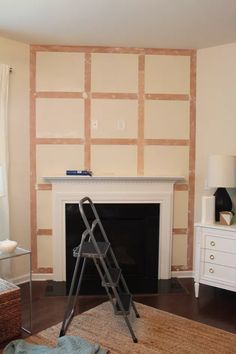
{"x": 216, "y": 257}
{"x": 220, "y": 243}
{"x": 218, "y": 272}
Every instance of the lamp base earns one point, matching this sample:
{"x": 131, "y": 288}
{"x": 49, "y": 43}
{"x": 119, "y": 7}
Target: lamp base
{"x": 222, "y": 202}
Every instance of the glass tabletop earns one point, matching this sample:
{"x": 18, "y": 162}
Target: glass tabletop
{"x": 18, "y": 252}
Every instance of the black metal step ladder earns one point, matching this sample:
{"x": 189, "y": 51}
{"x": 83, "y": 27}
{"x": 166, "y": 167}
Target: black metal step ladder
{"x": 107, "y": 266}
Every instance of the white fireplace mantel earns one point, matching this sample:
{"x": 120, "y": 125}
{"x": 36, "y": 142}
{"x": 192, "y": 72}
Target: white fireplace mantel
{"x": 74, "y": 178}
{"x": 110, "y": 189}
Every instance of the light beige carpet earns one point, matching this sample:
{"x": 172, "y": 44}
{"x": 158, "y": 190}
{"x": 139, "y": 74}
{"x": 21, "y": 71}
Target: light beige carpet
{"x": 157, "y": 332}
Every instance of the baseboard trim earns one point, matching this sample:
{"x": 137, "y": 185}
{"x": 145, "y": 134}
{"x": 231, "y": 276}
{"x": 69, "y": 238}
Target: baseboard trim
{"x": 20, "y": 279}
{"x": 42, "y": 276}
{"x": 35, "y": 277}
{"x": 183, "y": 274}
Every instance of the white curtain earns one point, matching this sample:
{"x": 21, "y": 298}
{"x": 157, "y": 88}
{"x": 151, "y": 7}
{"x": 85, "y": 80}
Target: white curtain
{"x": 4, "y": 199}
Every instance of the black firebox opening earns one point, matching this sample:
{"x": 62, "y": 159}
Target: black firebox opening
{"x": 133, "y": 231}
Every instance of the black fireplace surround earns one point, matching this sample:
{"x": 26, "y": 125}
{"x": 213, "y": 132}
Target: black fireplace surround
{"x": 133, "y": 231}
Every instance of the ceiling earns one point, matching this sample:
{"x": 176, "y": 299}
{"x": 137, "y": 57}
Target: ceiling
{"x": 180, "y": 24}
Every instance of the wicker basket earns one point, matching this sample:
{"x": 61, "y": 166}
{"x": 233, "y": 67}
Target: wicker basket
{"x": 10, "y": 311}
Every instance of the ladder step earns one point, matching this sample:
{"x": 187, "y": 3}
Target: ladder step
{"x": 88, "y": 250}
{"x": 115, "y": 276}
{"x": 126, "y": 302}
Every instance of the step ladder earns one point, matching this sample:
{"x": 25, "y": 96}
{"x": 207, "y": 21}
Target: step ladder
{"x": 100, "y": 251}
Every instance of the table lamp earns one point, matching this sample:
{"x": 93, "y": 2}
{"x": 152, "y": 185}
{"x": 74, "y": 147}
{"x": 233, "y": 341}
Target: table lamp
{"x": 221, "y": 175}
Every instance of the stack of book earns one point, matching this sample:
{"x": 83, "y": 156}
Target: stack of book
{"x": 79, "y": 173}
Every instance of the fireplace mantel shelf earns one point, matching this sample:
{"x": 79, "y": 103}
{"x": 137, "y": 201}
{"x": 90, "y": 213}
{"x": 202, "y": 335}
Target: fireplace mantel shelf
{"x": 55, "y": 179}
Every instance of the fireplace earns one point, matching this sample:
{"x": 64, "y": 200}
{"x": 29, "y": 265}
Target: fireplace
{"x": 105, "y": 190}
{"x": 133, "y": 231}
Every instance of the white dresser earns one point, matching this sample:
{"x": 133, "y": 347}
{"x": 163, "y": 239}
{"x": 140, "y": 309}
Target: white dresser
{"x": 215, "y": 256}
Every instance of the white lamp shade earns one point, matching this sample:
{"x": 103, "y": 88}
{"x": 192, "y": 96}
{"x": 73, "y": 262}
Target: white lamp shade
{"x": 221, "y": 171}
{"x": 1, "y": 182}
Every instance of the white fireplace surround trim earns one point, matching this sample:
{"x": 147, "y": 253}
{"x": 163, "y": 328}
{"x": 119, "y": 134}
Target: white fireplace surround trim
{"x": 70, "y": 189}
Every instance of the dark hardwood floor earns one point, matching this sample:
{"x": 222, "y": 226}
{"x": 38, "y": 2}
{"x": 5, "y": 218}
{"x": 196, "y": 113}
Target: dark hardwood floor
{"x": 215, "y": 307}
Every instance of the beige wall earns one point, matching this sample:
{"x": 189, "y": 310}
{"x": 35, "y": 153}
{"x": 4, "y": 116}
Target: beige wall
{"x": 165, "y": 120}
{"x": 149, "y": 93}
{"x": 215, "y": 130}
{"x": 16, "y": 55}
{"x": 216, "y": 111}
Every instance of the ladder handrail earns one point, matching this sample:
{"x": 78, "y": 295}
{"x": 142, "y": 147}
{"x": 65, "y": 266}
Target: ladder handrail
{"x": 97, "y": 218}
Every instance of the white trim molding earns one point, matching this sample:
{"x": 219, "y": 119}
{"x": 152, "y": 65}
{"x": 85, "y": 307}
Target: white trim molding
{"x": 70, "y": 189}
{"x": 183, "y": 274}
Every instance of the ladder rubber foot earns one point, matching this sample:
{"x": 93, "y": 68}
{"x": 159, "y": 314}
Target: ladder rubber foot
{"x": 62, "y": 333}
{"x": 135, "y": 340}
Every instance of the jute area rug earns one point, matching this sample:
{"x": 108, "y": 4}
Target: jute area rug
{"x": 157, "y": 332}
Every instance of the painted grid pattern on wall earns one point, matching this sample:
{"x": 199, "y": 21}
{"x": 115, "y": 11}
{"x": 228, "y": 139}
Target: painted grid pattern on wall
{"x": 116, "y": 111}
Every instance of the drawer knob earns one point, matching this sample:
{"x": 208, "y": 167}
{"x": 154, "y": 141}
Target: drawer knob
{"x": 212, "y": 243}
{"x": 212, "y": 256}
{"x": 211, "y": 270}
